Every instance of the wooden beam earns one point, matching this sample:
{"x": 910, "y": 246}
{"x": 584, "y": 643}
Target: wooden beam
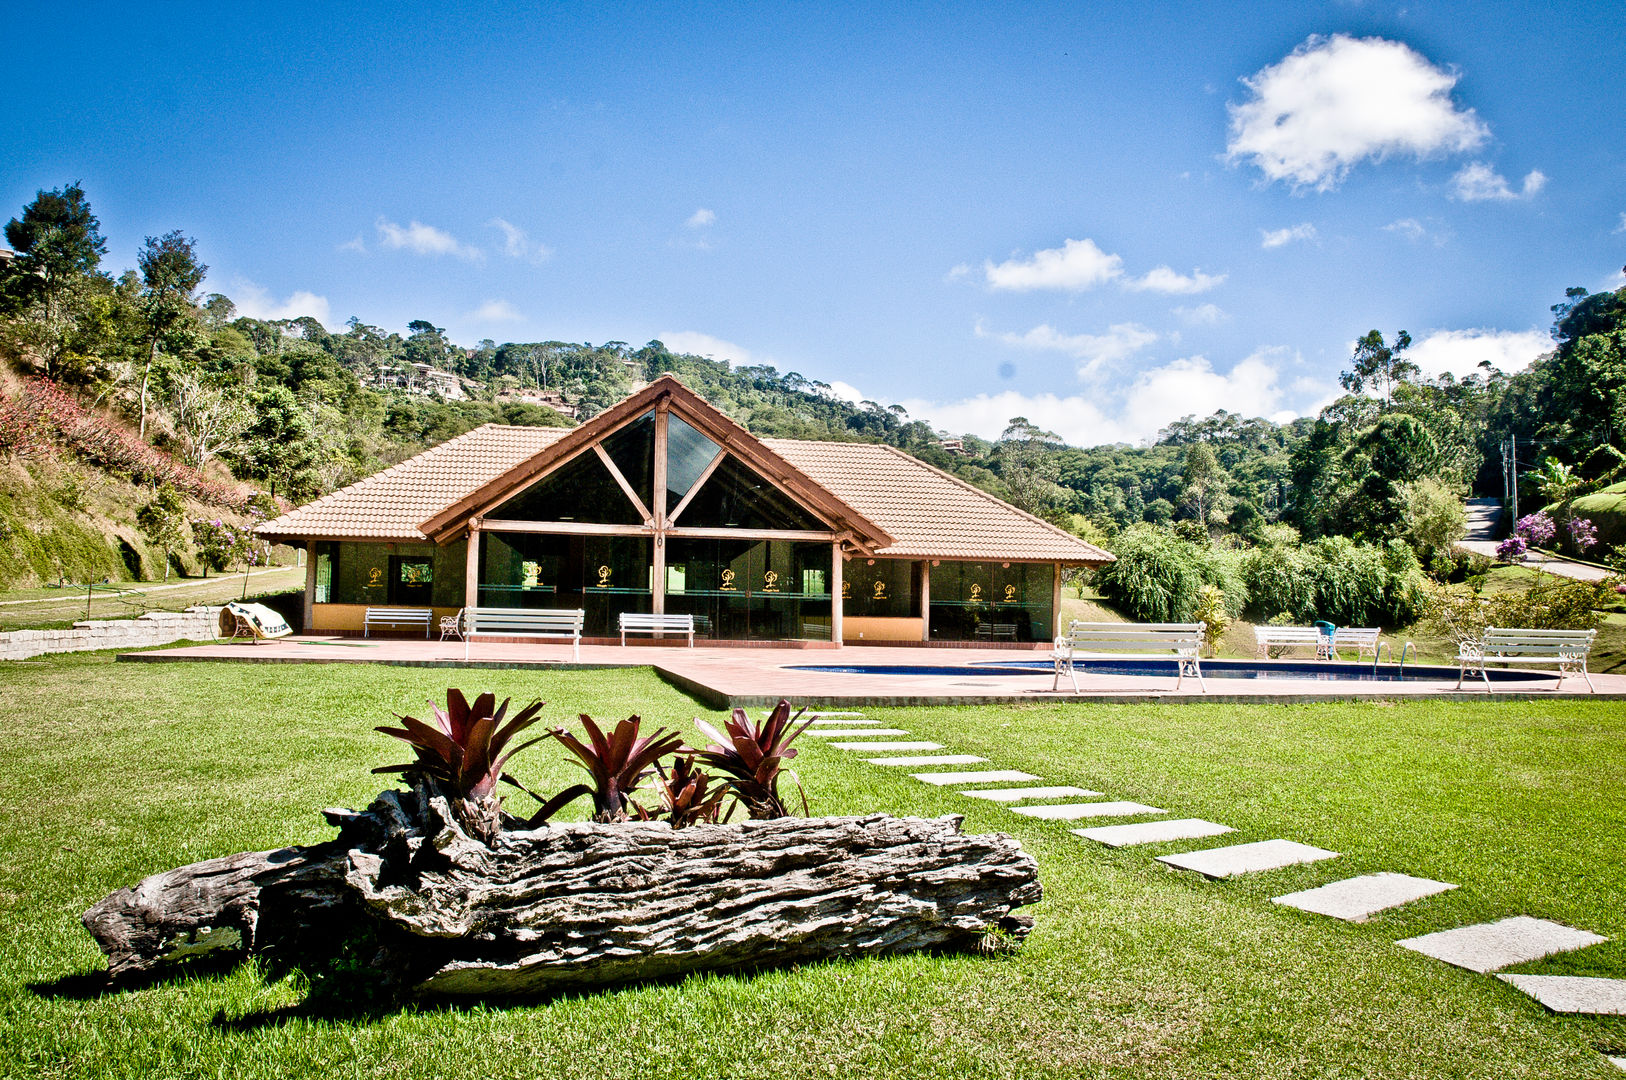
{"x": 705, "y": 475}
{"x": 925, "y": 599}
{"x": 626, "y": 488}
{"x": 836, "y": 606}
{"x": 471, "y": 567}
{"x": 565, "y": 528}
{"x": 709, "y": 533}
{"x": 657, "y": 555}
{"x": 310, "y": 584}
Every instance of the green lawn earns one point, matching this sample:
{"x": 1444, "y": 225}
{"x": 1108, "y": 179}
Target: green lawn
{"x": 1132, "y": 971}
{"x": 53, "y": 608}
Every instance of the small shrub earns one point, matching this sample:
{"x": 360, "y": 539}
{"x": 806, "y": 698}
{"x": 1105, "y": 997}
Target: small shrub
{"x": 617, "y": 762}
{"x": 750, "y": 758}
{"x": 1210, "y": 612}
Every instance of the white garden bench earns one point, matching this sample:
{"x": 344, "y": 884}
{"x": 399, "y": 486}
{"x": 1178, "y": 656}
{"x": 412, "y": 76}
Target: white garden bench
{"x": 1182, "y": 642}
{"x": 396, "y": 618}
{"x": 633, "y": 622}
{"x": 1565, "y": 649}
{"x": 1363, "y": 639}
{"x": 556, "y": 623}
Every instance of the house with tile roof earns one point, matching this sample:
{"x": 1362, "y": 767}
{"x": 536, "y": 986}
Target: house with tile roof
{"x": 663, "y": 504}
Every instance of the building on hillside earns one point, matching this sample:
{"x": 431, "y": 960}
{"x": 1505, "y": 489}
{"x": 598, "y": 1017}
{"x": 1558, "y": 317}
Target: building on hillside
{"x": 427, "y": 379}
{"x": 663, "y": 504}
{"x": 552, "y": 399}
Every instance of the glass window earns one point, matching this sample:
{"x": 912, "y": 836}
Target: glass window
{"x": 992, "y": 602}
{"x": 326, "y": 554}
{"x": 603, "y": 575}
{"x": 580, "y": 490}
{"x": 403, "y": 574}
{"x": 633, "y": 451}
{"x": 884, "y": 590}
{"x": 688, "y": 452}
{"x": 734, "y": 497}
{"x": 750, "y": 589}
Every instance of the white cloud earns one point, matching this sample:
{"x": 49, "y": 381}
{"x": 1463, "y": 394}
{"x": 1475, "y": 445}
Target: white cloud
{"x": 1460, "y": 351}
{"x": 1183, "y": 387}
{"x": 961, "y": 271}
{"x": 1410, "y": 228}
{"x": 1478, "y": 182}
{"x": 422, "y": 239}
{"x": 701, "y": 218}
{"x": 357, "y": 245}
{"x": 1075, "y": 266}
{"x": 697, "y": 344}
{"x": 1165, "y": 280}
{"x": 1335, "y": 102}
{"x": 1202, "y": 314}
{"x": 847, "y": 392}
{"x": 255, "y": 302}
{"x": 1621, "y": 228}
{"x": 1275, "y": 238}
{"x": 496, "y": 311}
{"x": 516, "y": 244}
{"x": 1121, "y": 341}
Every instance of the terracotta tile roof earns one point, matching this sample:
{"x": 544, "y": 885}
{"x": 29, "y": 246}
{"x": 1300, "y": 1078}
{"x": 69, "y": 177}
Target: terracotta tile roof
{"x": 929, "y": 513}
{"x": 389, "y": 505}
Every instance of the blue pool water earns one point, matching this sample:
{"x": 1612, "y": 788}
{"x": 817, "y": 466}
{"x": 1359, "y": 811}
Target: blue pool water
{"x": 1212, "y": 669}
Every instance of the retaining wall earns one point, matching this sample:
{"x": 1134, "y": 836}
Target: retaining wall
{"x": 154, "y": 628}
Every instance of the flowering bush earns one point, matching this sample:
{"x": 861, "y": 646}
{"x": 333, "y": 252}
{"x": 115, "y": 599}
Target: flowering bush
{"x": 222, "y": 545}
{"x": 1537, "y": 529}
{"x": 1583, "y": 534}
{"x": 1512, "y": 549}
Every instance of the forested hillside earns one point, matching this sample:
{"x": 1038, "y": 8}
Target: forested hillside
{"x": 224, "y": 404}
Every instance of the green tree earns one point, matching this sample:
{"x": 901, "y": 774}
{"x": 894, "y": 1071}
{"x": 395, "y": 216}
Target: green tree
{"x": 162, "y": 521}
{"x": 50, "y": 282}
{"x": 1434, "y": 517}
{"x": 170, "y": 274}
{"x": 278, "y": 447}
{"x": 1026, "y": 467}
{"x": 1206, "y": 486}
{"x": 1379, "y": 366}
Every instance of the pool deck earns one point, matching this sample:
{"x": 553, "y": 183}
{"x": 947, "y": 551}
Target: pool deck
{"x": 752, "y": 677}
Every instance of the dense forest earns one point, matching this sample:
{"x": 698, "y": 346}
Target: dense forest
{"x": 296, "y": 409}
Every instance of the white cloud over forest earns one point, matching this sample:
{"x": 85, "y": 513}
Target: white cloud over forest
{"x": 1163, "y": 279}
{"x": 496, "y": 311}
{"x": 1337, "y": 101}
{"x": 1093, "y": 351}
{"x": 256, "y": 302}
{"x": 1461, "y": 351}
{"x": 695, "y": 343}
{"x": 421, "y": 239}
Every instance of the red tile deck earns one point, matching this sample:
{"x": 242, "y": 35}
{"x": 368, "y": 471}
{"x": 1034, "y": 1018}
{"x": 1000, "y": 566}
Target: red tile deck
{"x": 735, "y": 676}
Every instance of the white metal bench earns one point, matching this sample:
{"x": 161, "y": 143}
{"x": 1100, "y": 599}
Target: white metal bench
{"x": 451, "y": 625}
{"x": 1181, "y": 642}
{"x": 1290, "y": 637}
{"x": 396, "y": 618}
{"x": 556, "y": 623}
{"x": 1363, "y": 639}
{"x": 1566, "y": 649}
{"x": 633, "y": 622}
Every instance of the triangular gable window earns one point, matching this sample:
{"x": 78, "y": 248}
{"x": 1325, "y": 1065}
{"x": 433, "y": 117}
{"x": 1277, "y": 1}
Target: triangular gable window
{"x": 734, "y": 497}
{"x": 582, "y": 490}
{"x": 688, "y": 455}
{"x": 633, "y": 451}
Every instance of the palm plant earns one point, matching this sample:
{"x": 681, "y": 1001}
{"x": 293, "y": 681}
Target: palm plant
{"x": 751, "y": 757}
{"x": 617, "y": 762}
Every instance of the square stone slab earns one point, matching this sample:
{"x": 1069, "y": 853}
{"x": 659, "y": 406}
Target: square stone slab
{"x": 1226, "y": 862}
{"x": 1074, "y": 811}
{"x": 818, "y": 713}
{"x": 1017, "y": 794}
{"x": 886, "y": 745}
{"x": 838, "y": 721}
{"x": 1618, "y": 1062}
{"x": 1574, "y": 993}
{"x": 992, "y": 776}
{"x": 1484, "y": 947}
{"x": 849, "y": 733}
{"x": 1358, "y": 898}
{"x": 929, "y": 759}
{"x": 1153, "y": 832}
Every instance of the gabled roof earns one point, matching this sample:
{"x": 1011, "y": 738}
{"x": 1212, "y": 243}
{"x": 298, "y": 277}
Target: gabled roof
{"x": 890, "y": 502}
{"x": 929, "y": 513}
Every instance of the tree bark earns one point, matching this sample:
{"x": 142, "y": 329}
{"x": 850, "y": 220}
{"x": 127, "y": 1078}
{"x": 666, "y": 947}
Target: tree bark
{"x": 580, "y": 904}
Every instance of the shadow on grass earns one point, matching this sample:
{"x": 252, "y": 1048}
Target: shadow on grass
{"x": 93, "y": 985}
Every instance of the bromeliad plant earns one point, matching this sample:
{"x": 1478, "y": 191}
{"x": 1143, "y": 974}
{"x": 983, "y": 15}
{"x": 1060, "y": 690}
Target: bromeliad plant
{"x": 688, "y": 796}
{"x": 617, "y": 762}
{"x": 751, "y": 757}
{"x": 464, "y": 753}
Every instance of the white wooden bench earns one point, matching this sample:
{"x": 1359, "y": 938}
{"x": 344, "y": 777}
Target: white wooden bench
{"x": 634, "y": 622}
{"x": 396, "y": 618}
{"x": 1565, "y": 649}
{"x": 1267, "y": 638}
{"x": 1182, "y": 642}
{"x": 557, "y": 623}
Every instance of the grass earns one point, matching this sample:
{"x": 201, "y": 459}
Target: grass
{"x": 57, "y": 608}
{"x": 113, "y": 773}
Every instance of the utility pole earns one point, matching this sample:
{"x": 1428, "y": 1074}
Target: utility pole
{"x": 1513, "y": 469}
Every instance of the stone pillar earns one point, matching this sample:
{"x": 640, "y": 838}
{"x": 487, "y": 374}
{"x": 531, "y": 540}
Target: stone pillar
{"x": 925, "y": 600}
{"x": 310, "y": 584}
{"x": 471, "y": 567}
{"x": 835, "y": 592}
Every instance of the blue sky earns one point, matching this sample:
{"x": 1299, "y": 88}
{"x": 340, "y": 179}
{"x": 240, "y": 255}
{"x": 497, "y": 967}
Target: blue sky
{"x": 1102, "y": 221}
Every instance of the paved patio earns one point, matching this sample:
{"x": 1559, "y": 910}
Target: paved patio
{"x": 750, "y": 677}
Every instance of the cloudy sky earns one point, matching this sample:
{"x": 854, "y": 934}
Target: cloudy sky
{"x": 1102, "y": 222}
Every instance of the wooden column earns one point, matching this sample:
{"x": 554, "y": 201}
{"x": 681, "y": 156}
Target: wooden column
{"x": 1055, "y": 599}
{"x": 925, "y": 600}
{"x": 471, "y": 567}
{"x": 310, "y": 584}
{"x": 835, "y": 592}
{"x": 657, "y": 570}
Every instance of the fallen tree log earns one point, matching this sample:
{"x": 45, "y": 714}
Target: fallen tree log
{"x": 579, "y": 904}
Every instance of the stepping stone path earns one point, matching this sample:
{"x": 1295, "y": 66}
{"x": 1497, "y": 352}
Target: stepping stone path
{"x": 929, "y": 759}
{"x": 993, "y": 776}
{"x": 1074, "y": 811}
{"x": 1018, "y": 794}
{"x": 849, "y": 733}
{"x": 1618, "y": 1062}
{"x": 1485, "y": 947}
{"x": 1357, "y": 899}
{"x": 1574, "y": 993}
{"x": 887, "y": 745}
{"x": 1227, "y": 862}
{"x": 834, "y": 721}
{"x": 1152, "y": 832}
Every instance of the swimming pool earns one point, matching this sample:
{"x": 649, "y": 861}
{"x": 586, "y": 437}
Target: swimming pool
{"x": 1212, "y": 669}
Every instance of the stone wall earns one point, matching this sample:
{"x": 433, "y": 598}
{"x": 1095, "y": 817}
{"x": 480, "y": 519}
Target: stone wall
{"x": 154, "y": 628}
